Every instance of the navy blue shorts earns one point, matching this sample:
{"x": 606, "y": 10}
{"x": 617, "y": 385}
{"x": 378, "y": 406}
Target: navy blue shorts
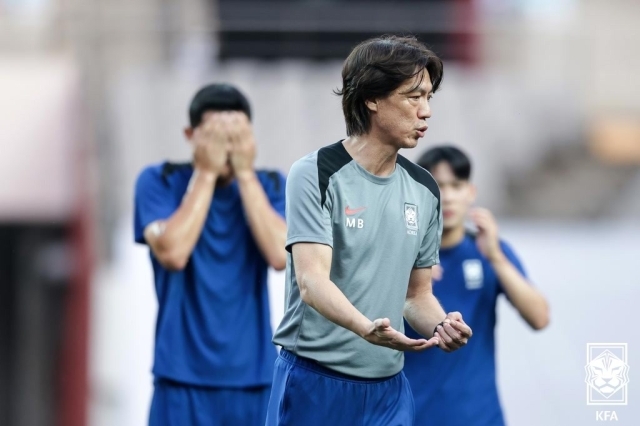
{"x": 176, "y": 404}
{"x": 304, "y": 393}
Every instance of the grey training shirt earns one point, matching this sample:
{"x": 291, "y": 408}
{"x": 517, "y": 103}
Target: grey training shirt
{"x": 380, "y": 228}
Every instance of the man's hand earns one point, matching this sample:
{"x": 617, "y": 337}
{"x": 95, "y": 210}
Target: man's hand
{"x": 487, "y": 238}
{"x": 243, "y": 147}
{"x": 211, "y": 145}
{"x": 453, "y": 333}
{"x": 382, "y": 334}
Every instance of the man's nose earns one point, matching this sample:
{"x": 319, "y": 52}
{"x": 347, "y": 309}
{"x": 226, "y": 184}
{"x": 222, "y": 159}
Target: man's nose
{"x": 424, "y": 111}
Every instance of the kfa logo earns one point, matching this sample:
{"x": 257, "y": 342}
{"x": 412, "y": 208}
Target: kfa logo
{"x": 606, "y": 416}
{"x": 411, "y": 218}
{"x": 607, "y": 374}
{"x": 353, "y": 222}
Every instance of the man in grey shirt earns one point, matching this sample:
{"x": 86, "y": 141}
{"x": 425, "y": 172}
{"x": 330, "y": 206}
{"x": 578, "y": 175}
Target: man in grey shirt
{"x": 364, "y": 228}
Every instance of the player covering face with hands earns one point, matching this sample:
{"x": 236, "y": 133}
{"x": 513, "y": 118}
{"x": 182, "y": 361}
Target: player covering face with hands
{"x": 213, "y": 225}
{"x": 223, "y": 145}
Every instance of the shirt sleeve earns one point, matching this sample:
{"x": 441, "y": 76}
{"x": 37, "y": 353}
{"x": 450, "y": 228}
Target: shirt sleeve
{"x": 153, "y": 200}
{"x": 275, "y": 190}
{"x": 429, "y": 253}
{"x": 512, "y": 257}
{"x": 514, "y": 260}
{"x": 308, "y": 221}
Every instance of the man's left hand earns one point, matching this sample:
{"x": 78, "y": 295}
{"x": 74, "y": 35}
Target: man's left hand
{"x": 243, "y": 147}
{"x": 487, "y": 238}
{"x": 453, "y": 333}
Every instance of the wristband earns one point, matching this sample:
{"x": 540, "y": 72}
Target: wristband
{"x": 436, "y": 327}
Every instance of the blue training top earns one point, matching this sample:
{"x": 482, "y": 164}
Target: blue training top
{"x": 464, "y": 380}
{"x": 213, "y": 326}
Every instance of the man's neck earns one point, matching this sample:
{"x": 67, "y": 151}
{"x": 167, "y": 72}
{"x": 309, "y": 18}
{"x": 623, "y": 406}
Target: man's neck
{"x": 452, "y": 237}
{"x": 372, "y": 154}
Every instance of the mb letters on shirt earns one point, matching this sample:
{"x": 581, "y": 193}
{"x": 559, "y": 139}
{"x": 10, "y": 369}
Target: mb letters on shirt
{"x": 410, "y": 215}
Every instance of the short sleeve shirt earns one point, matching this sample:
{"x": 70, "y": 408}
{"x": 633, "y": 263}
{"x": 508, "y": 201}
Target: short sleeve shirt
{"x": 380, "y": 228}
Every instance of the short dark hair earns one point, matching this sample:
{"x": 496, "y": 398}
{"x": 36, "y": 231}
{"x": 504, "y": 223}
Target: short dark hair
{"x": 377, "y": 67}
{"x": 454, "y": 157}
{"x": 217, "y": 97}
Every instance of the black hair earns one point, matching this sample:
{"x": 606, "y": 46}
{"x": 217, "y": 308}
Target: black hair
{"x": 377, "y": 67}
{"x": 217, "y": 97}
{"x": 454, "y": 157}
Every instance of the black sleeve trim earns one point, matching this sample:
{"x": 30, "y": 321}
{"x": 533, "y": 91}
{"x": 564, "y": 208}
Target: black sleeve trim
{"x": 168, "y": 168}
{"x": 421, "y": 176}
{"x": 274, "y": 177}
{"x": 331, "y": 158}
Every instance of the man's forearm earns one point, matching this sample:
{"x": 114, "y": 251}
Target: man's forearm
{"x": 326, "y": 298}
{"x": 182, "y": 230}
{"x": 524, "y": 297}
{"x": 423, "y": 313}
{"x": 267, "y": 227}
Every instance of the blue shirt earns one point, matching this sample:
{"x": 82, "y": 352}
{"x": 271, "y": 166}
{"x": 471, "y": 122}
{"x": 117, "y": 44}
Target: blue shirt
{"x": 213, "y": 326}
{"x": 463, "y": 381}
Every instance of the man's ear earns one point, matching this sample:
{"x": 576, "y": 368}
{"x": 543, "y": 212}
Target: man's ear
{"x": 188, "y": 133}
{"x": 372, "y": 104}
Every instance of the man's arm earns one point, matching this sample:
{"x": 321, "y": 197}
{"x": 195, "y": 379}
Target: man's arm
{"x": 267, "y": 227}
{"x": 172, "y": 240}
{"x": 312, "y": 265}
{"x": 529, "y": 302}
{"x": 423, "y": 312}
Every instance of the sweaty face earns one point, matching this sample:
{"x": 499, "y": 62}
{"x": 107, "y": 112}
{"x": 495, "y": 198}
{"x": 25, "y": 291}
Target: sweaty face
{"x": 402, "y": 116}
{"x": 456, "y": 196}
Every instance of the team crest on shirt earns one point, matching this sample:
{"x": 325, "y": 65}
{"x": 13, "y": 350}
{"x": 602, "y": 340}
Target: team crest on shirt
{"x": 473, "y": 274}
{"x": 411, "y": 218}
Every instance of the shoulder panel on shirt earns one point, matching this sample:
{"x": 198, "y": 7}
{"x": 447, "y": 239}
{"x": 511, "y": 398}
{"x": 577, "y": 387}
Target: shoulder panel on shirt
{"x": 168, "y": 168}
{"x": 331, "y": 158}
{"x": 274, "y": 177}
{"x": 421, "y": 176}
{"x": 470, "y": 233}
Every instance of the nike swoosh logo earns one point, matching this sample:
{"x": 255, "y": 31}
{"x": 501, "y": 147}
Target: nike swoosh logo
{"x": 350, "y": 212}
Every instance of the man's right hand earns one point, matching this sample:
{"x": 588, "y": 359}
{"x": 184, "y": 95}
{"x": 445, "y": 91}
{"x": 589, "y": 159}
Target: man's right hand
{"x": 211, "y": 145}
{"x": 381, "y": 333}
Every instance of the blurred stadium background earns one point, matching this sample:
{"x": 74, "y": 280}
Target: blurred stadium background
{"x": 543, "y": 94}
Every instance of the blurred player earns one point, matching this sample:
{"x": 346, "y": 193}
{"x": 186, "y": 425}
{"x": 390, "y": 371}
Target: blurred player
{"x": 364, "y": 227}
{"x": 475, "y": 269}
{"x": 214, "y": 226}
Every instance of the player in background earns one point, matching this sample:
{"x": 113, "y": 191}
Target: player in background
{"x": 364, "y": 227}
{"x": 475, "y": 268}
{"x": 214, "y": 226}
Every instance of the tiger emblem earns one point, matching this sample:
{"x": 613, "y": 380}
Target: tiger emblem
{"x": 607, "y": 374}
{"x": 411, "y": 215}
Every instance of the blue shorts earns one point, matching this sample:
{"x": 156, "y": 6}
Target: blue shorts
{"x": 177, "y": 404}
{"x": 304, "y": 393}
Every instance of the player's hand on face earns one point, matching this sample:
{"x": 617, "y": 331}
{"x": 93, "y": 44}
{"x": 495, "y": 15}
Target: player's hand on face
{"x": 487, "y": 238}
{"x": 454, "y": 333}
{"x": 243, "y": 147}
{"x": 382, "y": 334}
{"x": 211, "y": 144}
